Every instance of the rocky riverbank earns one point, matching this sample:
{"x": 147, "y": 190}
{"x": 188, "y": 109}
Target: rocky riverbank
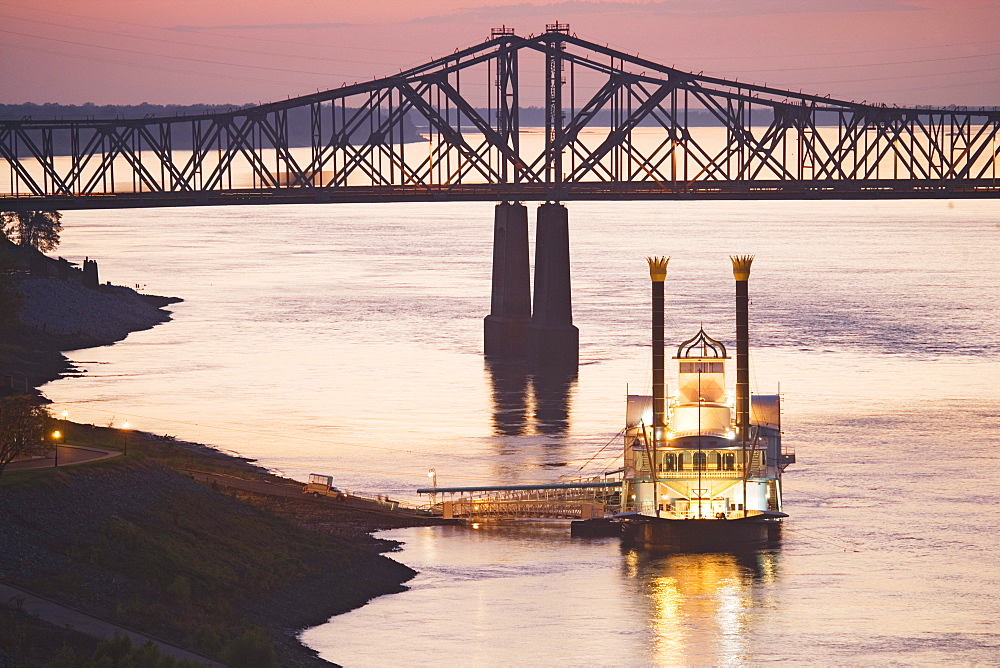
{"x": 59, "y": 315}
{"x": 84, "y": 317}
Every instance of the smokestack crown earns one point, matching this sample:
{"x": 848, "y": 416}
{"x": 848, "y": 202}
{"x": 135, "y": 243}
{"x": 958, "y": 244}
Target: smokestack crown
{"x": 741, "y": 266}
{"x": 658, "y": 268}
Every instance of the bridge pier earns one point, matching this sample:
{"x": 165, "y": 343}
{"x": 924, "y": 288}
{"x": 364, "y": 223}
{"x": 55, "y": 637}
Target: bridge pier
{"x": 510, "y": 302}
{"x": 551, "y": 339}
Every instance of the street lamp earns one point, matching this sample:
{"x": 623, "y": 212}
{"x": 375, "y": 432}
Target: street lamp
{"x": 125, "y": 432}
{"x": 56, "y": 435}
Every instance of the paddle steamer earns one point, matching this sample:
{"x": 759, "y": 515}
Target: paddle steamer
{"x": 702, "y": 467}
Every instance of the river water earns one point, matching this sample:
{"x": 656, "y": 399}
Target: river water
{"x": 346, "y": 339}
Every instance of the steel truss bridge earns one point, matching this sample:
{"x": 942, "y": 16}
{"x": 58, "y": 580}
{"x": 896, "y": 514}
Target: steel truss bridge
{"x": 540, "y": 118}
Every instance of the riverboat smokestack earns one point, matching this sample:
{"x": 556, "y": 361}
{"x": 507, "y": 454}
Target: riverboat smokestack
{"x": 741, "y": 272}
{"x": 658, "y": 274}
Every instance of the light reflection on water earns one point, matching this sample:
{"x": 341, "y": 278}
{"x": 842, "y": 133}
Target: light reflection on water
{"x": 700, "y": 603}
{"x": 528, "y": 595}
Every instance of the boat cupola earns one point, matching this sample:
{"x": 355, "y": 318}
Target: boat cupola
{"x": 701, "y": 370}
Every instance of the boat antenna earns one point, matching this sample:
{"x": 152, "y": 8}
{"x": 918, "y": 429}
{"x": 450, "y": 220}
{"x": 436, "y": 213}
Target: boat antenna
{"x": 699, "y": 464}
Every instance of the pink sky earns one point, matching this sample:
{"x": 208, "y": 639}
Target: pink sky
{"x": 905, "y": 52}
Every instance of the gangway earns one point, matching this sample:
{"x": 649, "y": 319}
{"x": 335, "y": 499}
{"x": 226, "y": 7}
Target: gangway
{"x": 584, "y": 498}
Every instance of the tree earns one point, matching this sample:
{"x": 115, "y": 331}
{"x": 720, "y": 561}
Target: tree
{"x": 38, "y": 229}
{"x": 22, "y": 422}
{"x": 10, "y": 298}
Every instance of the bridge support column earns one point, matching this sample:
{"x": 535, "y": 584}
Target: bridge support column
{"x": 551, "y": 339}
{"x": 510, "y": 303}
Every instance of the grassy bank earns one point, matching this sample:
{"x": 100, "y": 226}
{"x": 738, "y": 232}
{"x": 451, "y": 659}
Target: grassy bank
{"x": 136, "y": 541}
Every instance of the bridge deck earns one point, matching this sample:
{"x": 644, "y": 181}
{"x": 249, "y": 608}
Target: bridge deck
{"x": 834, "y": 190}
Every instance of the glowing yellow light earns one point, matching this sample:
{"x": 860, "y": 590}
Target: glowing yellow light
{"x": 57, "y": 434}
{"x": 475, "y": 525}
{"x": 730, "y": 434}
{"x": 65, "y": 414}
{"x": 125, "y": 425}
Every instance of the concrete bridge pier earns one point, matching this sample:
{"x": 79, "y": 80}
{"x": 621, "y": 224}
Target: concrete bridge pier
{"x": 551, "y": 341}
{"x": 510, "y": 302}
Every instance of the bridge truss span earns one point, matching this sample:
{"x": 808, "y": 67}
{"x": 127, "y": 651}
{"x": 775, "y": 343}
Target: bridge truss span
{"x": 546, "y": 118}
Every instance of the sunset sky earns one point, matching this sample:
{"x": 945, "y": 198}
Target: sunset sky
{"x": 905, "y": 52}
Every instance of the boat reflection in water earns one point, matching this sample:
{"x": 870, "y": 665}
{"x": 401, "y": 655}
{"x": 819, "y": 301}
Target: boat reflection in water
{"x": 701, "y": 606}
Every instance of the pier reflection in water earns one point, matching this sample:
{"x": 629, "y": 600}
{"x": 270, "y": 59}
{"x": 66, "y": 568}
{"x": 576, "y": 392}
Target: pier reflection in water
{"x": 701, "y": 605}
{"x": 527, "y": 403}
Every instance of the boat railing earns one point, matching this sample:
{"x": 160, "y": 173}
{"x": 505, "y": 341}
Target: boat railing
{"x": 736, "y": 472}
{"x": 674, "y": 514}
{"x": 787, "y": 456}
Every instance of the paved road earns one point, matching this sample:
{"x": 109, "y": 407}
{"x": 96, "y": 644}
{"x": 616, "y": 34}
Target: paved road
{"x": 64, "y": 616}
{"x": 259, "y": 486}
{"x": 69, "y": 455}
{"x": 294, "y": 491}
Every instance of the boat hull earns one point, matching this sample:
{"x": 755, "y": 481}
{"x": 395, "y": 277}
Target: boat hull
{"x": 698, "y": 535}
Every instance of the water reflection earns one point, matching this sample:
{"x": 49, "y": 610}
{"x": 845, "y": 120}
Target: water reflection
{"x": 526, "y": 404}
{"x": 701, "y": 606}
{"x": 509, "y": 385}
{"x": 552, "y": 401}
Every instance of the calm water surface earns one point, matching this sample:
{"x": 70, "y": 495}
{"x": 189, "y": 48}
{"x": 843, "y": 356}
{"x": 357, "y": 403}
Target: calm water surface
{"x": 346, "y": 339}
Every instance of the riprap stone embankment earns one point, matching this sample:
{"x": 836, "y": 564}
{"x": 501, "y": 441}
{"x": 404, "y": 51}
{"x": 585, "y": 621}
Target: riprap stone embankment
{"x": 86, "y": 317}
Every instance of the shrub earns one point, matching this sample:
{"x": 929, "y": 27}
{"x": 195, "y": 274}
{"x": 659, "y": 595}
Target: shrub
{"x": 180, "y": 589}
{"x": 253, "y": 649}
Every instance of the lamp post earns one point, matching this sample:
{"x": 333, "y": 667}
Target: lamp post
{"x": 432, "y": 474}
{"x": 56, "y": 435}
{"x": 125, "y": 432}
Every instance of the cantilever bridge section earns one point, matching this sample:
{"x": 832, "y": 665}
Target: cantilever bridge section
{"x": 548, "y": 117}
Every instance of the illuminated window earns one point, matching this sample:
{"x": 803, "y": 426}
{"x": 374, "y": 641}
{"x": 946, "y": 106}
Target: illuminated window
{"x": 703, "y": 367}
{"x": 729, "y": 461}
{"x": 700, "y": 461}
